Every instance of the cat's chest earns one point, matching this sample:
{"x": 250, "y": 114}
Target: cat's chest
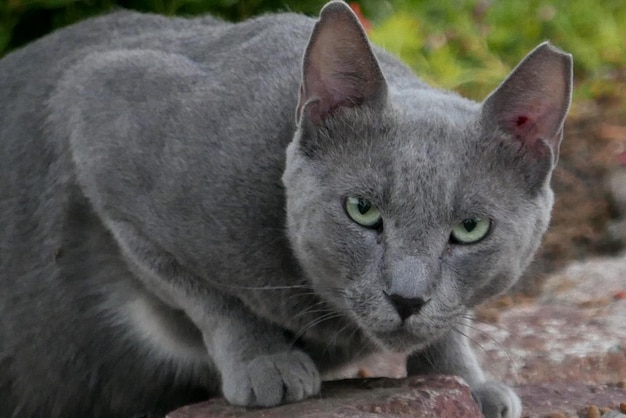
{"x": 166, "y": 333}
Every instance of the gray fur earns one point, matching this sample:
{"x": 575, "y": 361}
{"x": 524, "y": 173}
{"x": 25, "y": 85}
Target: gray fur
{"x": 169, "y": 231}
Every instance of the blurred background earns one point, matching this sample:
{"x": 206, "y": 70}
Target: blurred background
{"x": 467, "y": 46}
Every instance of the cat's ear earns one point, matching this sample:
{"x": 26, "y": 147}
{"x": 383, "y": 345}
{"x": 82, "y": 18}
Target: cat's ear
{"x": 531, "y": 104}
{"x": 339, "y": 67}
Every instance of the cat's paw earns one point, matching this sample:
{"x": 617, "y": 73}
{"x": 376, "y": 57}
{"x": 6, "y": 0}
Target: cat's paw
{"x": 497, "y": 400}
{"x": 272, "y": 379}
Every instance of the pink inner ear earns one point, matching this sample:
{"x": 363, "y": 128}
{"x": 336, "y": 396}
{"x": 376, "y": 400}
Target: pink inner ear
{"x": 524, "y": 127}
{"x": 534, "y": 118}
{"x": 521, "y": 120}
{"x": 339, "y": 68}
{"x": 530, "y": 105}
{"x": 527, "y": 129}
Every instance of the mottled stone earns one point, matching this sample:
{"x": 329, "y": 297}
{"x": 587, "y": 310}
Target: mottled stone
{"x": 433, "y": 396}
{"x": 565, "y": 351}
{"x": 575, "y": 332}
{"x": 540, "y": 344}
{"x": 569, "y": 399}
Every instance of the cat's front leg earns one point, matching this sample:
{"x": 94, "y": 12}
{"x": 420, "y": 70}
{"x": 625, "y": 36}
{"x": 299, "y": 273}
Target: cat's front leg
{"x": 257, "y": 364}
{"x": 453, "y": 355}
{"x": 497, "y": 399}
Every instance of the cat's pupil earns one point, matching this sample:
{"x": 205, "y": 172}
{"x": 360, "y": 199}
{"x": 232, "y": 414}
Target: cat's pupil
{"x": 469, "y": 224}
{"x": 363, "y": 206}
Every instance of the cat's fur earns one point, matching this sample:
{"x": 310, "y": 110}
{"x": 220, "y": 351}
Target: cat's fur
{"x": 170, "y": 230}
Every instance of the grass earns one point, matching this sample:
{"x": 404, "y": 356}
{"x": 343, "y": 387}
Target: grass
{"x": 466, "y": 45}
{"x": 471, "y": 45}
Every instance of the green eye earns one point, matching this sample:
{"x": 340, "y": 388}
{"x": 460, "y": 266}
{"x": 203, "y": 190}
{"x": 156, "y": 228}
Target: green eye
{"x": 363, "y": 212}
{"x": 470, "y": 231}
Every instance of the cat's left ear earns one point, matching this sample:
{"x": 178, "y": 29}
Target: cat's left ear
{"x": 339, "y": 68}
{"x": 531, "y": 104}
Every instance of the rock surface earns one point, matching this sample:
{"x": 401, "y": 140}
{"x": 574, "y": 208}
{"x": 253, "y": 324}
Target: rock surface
{"x": 566, "y": 350}
{"x": 433, "y": 396}
{"x": 561, "y": 400}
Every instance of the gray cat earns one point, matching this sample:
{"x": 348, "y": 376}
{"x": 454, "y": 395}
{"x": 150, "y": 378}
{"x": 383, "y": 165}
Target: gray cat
{"x": 170, "y": 231}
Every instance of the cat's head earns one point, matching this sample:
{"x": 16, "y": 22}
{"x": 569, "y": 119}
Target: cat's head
{"x": 407, "y": 206}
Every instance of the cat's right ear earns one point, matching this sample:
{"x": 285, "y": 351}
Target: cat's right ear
{"x": 531, "y": 104}
{"x": 339, "y": 67}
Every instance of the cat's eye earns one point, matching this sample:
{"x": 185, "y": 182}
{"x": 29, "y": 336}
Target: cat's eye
{"x": 363, "y": 212}
{"x": 470, "y": 231}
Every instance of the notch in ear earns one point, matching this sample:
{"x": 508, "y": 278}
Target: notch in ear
{"x": 531, "y": 104}
{"x": 339, "y": 68}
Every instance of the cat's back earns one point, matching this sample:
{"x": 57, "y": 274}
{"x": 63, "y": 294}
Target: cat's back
{"x": 42, "y": 62}
{"x": 255, "y": 61}
{"x": 229, "y": 121}
{"x": 29, "y": 75}
{"x": 31, "y": 71}
{"x": 250, "y": 70}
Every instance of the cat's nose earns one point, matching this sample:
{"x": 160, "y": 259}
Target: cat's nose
{"x": 407, "y": 306}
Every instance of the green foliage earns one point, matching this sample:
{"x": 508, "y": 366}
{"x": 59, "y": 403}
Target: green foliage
{"x": 470, "y": 45}
{"x": 467, "y": 45}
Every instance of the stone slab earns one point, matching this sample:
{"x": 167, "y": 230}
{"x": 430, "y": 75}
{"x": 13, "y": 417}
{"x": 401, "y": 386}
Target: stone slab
{"x": 417, "y": 397}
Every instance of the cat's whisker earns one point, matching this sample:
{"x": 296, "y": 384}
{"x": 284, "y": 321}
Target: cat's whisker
{"x": 494, "y": 340}
{"x": 475, "y": 319}
{"x": 328, "y": 345}
{"x": 313, "y": 323}
{"x": 311, "y": 310}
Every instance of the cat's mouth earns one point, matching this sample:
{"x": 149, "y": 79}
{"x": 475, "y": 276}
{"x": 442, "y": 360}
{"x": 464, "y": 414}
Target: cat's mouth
{"x": 415, "y": 332}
